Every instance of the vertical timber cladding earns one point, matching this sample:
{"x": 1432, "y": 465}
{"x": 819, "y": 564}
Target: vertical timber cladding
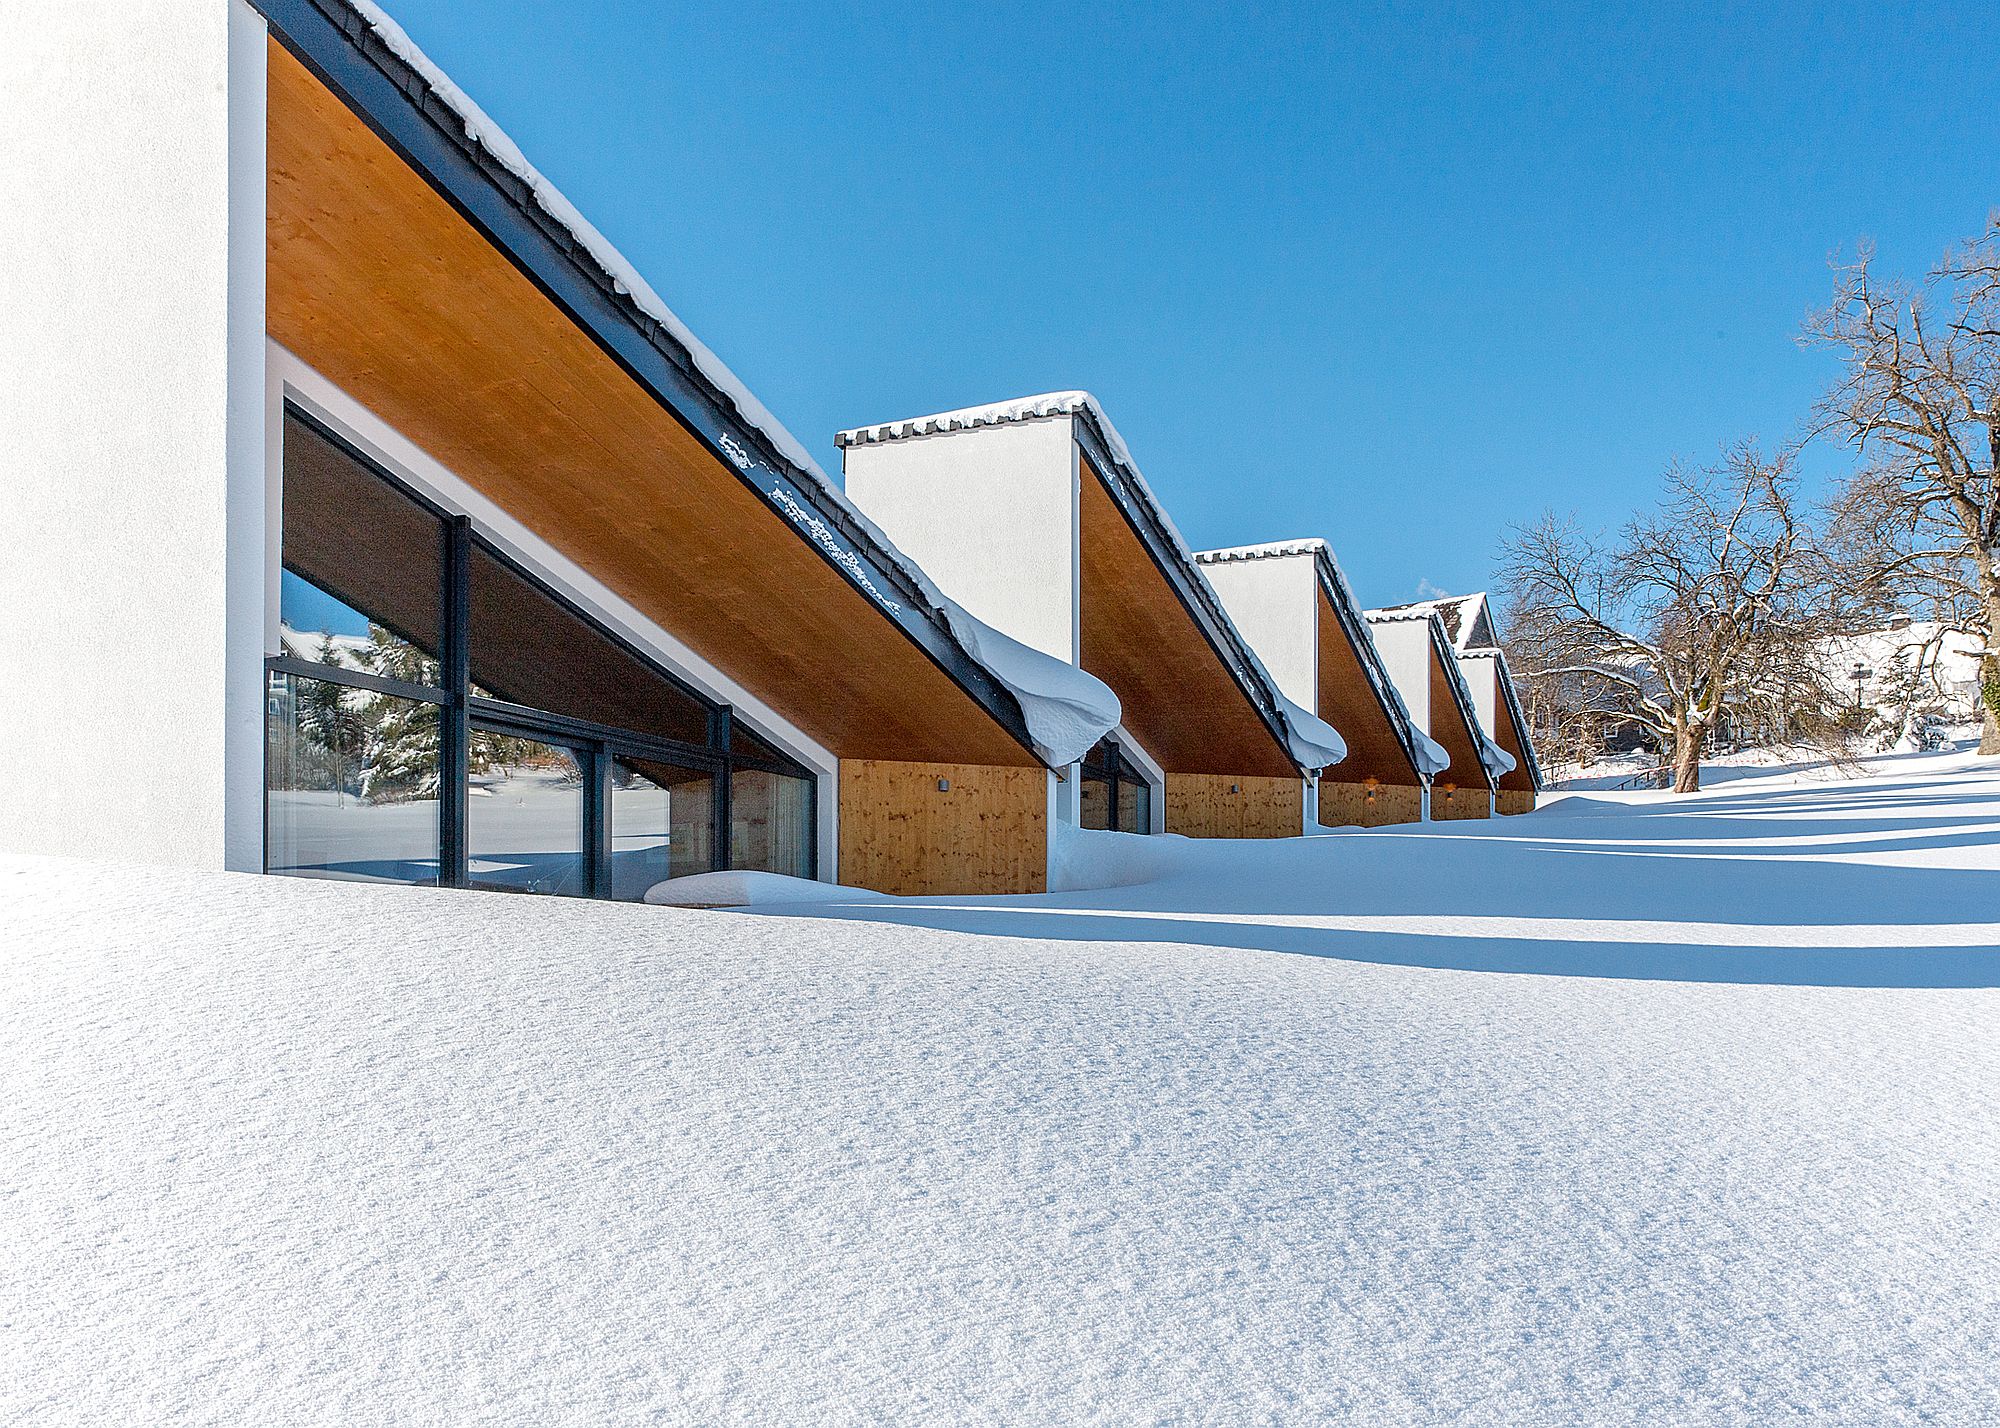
{"x": 1368, "y": 804}
{"x": 1233, "y": 806}
{"x": 1448, "y": 800}
{"x": 1516, "y": 800}
{"x": 925, "y": 828}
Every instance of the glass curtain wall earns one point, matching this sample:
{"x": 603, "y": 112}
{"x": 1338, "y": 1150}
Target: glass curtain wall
{"x": 1113, "y": 794}
{"x": 436, "y": 715}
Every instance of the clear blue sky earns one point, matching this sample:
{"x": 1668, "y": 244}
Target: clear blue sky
{"x": 1396, "y": 278}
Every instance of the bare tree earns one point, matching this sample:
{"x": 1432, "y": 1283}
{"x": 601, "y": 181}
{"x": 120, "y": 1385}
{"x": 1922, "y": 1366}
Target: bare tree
{"x": 1919, "y": 394}
{"x": 1713, "y": 607}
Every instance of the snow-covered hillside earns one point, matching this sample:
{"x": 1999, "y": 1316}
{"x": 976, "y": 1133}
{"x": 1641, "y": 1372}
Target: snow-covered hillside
{"x": 1290, "y": 1133}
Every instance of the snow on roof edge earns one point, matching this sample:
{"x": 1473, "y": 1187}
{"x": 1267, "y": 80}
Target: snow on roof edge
{"x": 1305, "y": 545}
{"x": 1310, "y": 740}
{"x": 1058, "y": 701}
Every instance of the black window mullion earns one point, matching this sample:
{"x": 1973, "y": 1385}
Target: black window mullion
{"x": 455, "y": 745}
{"x": 721, "y": 721}
{"x": 597, "y": 818}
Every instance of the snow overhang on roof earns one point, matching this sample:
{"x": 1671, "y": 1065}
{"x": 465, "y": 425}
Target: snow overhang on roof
{"x": 1308, "y": 740}
{"x": 1428, "y": 758}
{"x": 1048, "y": 705}
{"x": 1503, "y": 676}
{"x": 1493, "y": 759}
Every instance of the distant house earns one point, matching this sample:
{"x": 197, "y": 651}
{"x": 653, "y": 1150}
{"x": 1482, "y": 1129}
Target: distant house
{"x": 1292, "y": 603}
{"x": 1033, "y": 515}
{"x": 1418, "y": 655}
{"x": 1468, "y": 624}
{"x": 376, "y": 519}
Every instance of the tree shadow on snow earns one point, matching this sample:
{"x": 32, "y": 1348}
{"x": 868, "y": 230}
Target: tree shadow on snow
{"x": 1740, "y": 871}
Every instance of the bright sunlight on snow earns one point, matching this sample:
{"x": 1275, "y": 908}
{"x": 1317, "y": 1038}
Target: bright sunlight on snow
{"x": 1631, "y": 1110}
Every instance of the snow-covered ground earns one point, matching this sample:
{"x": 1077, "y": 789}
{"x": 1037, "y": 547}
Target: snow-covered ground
{"x": 1288, "y": 1133}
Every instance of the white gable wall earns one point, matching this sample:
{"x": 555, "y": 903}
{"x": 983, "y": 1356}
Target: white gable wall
{"x": 1274, "y": 603}
{"x": 132, "y": 524}
{"x": 991, "y": 515}
{"x": 1482, "y": 677}
{"x": 1405, "y": 647}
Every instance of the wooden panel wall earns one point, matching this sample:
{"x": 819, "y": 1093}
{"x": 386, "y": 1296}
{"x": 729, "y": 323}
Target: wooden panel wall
{"x": 1235, "y": 806}
{"x": 900, "y": 833}
{"x": 1517, "y": 800}
{"x": 1450, "y": 801}
{"x": 1368, "y": 804}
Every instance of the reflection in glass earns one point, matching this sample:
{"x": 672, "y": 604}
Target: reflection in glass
{"x": 770, "y": 822}
{"x": 529, "y": 648}
{"x": 661, "y": 824}
{"x": 1094, "y": 799}
{"x": 362, "y": 586}
{"x": 1135, "y": 806}
{"x": 352, "y": 780}
{"x": 524, "y": 824}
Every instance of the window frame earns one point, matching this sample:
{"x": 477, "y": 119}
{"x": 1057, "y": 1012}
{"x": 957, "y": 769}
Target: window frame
{"x": 597, "y": 744}
{"x": 1117, "y": 768}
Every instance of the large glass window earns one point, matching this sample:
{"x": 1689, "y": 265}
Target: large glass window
{"x": 529, "y": 648}
{"x": 662, "y": 824}
{"x": 575, "y": 765}
{"x": 525, "y": 824}
{"x": 352, "y": 776}
{"x": 770, "y": 817}
{"x": 1112, "y": 792}
{"x": 363, "y": 581}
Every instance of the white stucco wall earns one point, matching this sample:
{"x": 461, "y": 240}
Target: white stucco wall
{"x": 991, "y": 516}
{"x": 1405, "y": 647}
{"x": 1274, "y": 603}
{"x": 131, "y": 517}
{"x": 1482, "y": 677}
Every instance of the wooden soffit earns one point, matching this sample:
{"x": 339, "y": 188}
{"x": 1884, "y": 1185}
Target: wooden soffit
{"x": 1350, "y": 702}
{"x": 1181, "y": 702}
{"x": 1450, "y": 727}
{"x": 380, "y": 284}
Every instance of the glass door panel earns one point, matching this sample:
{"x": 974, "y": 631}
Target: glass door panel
{"x": 525, "y": 816}
{"x": 662, "y": 824}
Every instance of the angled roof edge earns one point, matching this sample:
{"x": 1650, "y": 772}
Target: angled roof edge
{"x": 359, "y": 52}
{"x": 1354, "y": 624}
{"x": 1461, "y": 692}
{"x": 1462, "y": 615}
{"x": 1504, "y": 673}
{"x": 1309, "y": 741}
{"x": 1290, "y": 725}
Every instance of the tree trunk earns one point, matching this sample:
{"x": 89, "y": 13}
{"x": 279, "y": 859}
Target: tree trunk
{"x": 1988, "y": 687}
{"x": 1687, "y": 759}
{"x": 1989, "y": 705}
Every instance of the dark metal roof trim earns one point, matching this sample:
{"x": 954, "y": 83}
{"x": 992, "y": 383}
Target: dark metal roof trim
{"x": 1355, "y": 625}
{"x": 1194, "y": 593}
{"x": 337, "y": 44}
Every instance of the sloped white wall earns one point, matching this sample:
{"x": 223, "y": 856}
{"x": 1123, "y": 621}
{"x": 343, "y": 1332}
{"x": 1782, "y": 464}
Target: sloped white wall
{"x": 131, "y": 522}
{"x": 1405, "y": 647}
{"x": 1482, "y": 677}
{"x": 1274, "y": 603}
{"x": 991, "y": 516}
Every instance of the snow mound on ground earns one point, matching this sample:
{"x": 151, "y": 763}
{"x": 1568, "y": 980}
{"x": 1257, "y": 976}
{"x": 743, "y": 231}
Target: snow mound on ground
{"x": 743, "y": 888}
{"x": 1066, "y": 711}
{"x": 1226, "y": 1148}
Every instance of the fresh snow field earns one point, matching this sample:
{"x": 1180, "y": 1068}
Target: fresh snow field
{"x": 1633, "y": 1110}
